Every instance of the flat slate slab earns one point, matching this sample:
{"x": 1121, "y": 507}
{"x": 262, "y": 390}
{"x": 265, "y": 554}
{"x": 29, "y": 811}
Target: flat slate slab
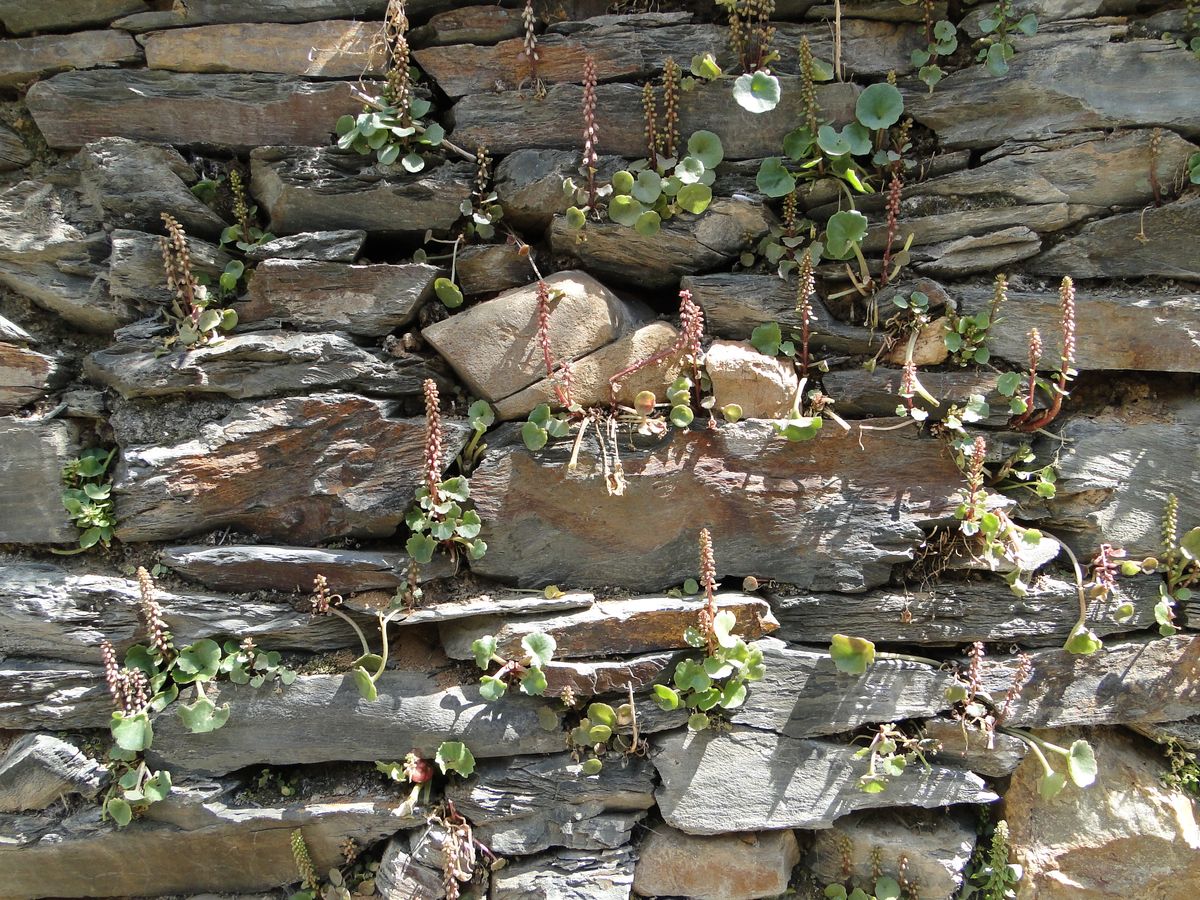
{"x": 38, "y": 769}
{"x": 184, "y": 108}
{"x": 23, "y": 17}
{"x": 37, "y": 695}
{"x": 528, "y": 803}
{"x": 511, "y": 120}
{"x": 827, "y": 514}
{"x": 334, "y": 48}
{"x": 32, "y": 456}
{"x": 47, "y": 611}
{"x": 62, "y": 856}
{"x": 616, "y": 627}
{"x": 499, "y": 602}
{"x": 25, "y": 59}
{"x": 367, "y": 300}
{"x": 950, "y": 613}
{"x": 261, "y": 567}
{"x": 317, "y": 188}
{"x": 1135, "y": 680}
{"x": 1059, "y": 82}
{"x": 257, "y": 364}
{"x": 413, "y": 711}
{"x": 770, "y": 782}
{"x": 26, "y": 376}
{"x": 324, "y": 466}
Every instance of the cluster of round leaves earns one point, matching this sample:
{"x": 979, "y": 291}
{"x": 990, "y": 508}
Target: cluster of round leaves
{"x": 444, "y": 522}
{"x": 644, "y": 197}
{"x": 542, "y": 425}
{"x": 719, "y": 680}
{"x": 595, "y": 730}
{"x": 997, "y": 46}
{"x": 87, "y": 496}
{"x": 528, "y": 671}
{"x": 886, "y": 888}
{"x": 384, "y": 133}
{"x": 945, "y": 42}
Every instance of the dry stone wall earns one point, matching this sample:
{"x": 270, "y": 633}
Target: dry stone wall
{"x": 293, "y": 445}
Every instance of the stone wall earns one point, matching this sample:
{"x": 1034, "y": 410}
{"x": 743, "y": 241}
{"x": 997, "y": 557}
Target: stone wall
{"x": 293, "y": 446}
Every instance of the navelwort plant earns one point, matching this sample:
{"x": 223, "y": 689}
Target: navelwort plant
{"x": 451, "y": 756}
{"x": 150, "y": 681}
{"x": 718, "y": 681}
{"x": 941, "y": 40}
{"x": 87, "y": 497}
{"x": 527, "y": 671}
{"x": 966, "y": 336}
{"x": 995, "y": 878}
{"x": 750, "y": 34}
{"x": 996, "y": 48}
{"x": 1027, "y": 416}
{"x": 193, "y": 320}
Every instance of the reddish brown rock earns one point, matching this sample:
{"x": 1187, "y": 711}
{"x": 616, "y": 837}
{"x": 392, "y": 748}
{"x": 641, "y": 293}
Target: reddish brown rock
{"x": 369, "y": 300}
{"x": 328, "y": 49}
{"x": 26, "y": 59}
{"x": 619, "y": 627}
{"x": 829, "y": 513}
{"x": 469, "y": 25}
{"x": 25, "y": 375}
{"x": 715, "y": 867}
{"x": 301, "y": 469}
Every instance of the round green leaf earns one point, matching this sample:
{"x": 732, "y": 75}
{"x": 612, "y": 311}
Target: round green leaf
{"x": 706, "y": 147}
{"x": 421, "y": 548}
{"x": 491, "y": 688}
{"x": 667, "y": 698}
{"x": 448, "y": 292}
{"x": 648, "y": 188}
{"x": 773, "y": 179}
{"x": 625, "y": 210}
{"x": 533, "y": 682}
{"x": 694, "y": 198}
{"x": 648, "y": 223}
{"x": 757, "y": 92}
{"x": 119, "y": 811}
{"x": 389, "y": 154}
{"x": 540, "y": 648}
{"x": 844, "y": 230}
{"x": 575, "y": 218}
{"x": 832, "y": 142}
{"x": 414, "y": 162}
{"x": 362, "y": 681}
{"x": 454, "y": 756}
{"x": 534, "y": 435}
{"x": 689, "y": 170}
{"x": 132, "y": 732}
{"x": 851, "y": 655}
{"x": 1081, "y": 764}
{"x": 592, "y": 766}
{"x": 198, "y": 661}
{"x": 879, "y": 106}
{"x": 622, "y": 183}
{"x": 681, "y": 416}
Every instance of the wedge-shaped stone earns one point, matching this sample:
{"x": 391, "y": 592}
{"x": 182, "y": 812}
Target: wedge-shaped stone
{"x": 1132, "y": 245}
{"x": 686, "y": 245}
{"x": 32, "y": 456}
{"x": 636, "y": 625}
{"x": 26, "y": 375}
{"x": 1136, "y": 680}
{"x": 304, "y": 469}
{"x": 719, "y": 867}
{"x": 1149, "y": 331}
{"x": 526, "y": 804}
{"x": 414, "y": 710}
{"x": 976, "y": 254}
{"x": 591, "y": 679}
{"x": 512, "y": 120}
{"x": 26, "y": 59}
{"x": 307, "y": 189}
{"x": 259, "y": 364}
{"x": 490, "y": 268}
{"x": 13, "y": 152}
{"x": 52, "y": 855}
{"x": 400, "y": 875}
{"x": 52, "y": 696}
{"x": 826, "y": 514}
{"x": 1114, "y": 478}
{"x": 257, "y": 567}
{"x": 772, "y": 782}
{"x": 329, "y": 49}
{"x": 762, "y": 386}
{"x": 634, "y": 52}
{"x": 327, "y": 246}
{"x": 1059, "y": 84}
{"x": 950, "y": 613}
{"x": 210, "y": 12}
{"x": 567, "y": 875}
{"x": 49, "y": 612}
{"x": 990, "y": 755}
{"x": 584, "y": 316}
{"x": 370, "y": 300}
{"x": 134, "y": 183}
{"x": 135, "y": 268}
{"x": 590, "y": 374}
{"x": 804, "y": 695}
{"x": 182, "y": 108}
{"x": 734, "y": 305}
{"x": 1186, "y": 732}
{"x": 22, "y": 17}
{"x": 39, "y": 769}
{"x": 937, "y": 846}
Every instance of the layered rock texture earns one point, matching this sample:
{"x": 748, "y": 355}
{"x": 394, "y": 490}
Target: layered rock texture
{"x": 830, "y": 475}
